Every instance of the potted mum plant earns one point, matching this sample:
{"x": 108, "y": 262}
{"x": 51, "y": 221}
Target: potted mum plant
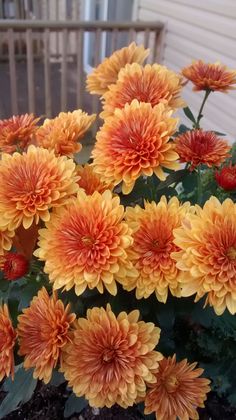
{"x": 118, "y": 276}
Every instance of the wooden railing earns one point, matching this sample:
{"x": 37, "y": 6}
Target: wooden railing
{"x": 48, "y": 74}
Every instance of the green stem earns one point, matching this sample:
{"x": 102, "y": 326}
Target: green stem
{"x": 199, "y": 186}
{"x": 207, "y": 93}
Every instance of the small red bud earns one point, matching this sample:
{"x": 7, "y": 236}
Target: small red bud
{"x": 14, "y": 266}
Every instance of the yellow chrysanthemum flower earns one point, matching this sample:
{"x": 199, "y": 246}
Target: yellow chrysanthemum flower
{"x": 63, "y": 133}
{"x": 84, "y": 244}
{"x": 107, "y": 72}
{"x": 110, "y": 358}
{"x": 152, "y": 83}
{"x": 207, "y": 256}
{"x": 135, "y": 142}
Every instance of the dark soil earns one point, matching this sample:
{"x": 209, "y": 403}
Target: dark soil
{"x": 48, "y": 403}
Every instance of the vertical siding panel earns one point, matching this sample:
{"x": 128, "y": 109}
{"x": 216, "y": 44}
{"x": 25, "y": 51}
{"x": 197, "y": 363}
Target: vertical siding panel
{"x": 197, "y": 30}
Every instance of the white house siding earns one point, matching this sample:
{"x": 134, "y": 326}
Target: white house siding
{"x": 198, "y": 29}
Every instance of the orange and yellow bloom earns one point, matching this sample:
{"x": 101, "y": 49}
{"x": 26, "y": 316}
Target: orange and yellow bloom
{"x": 207, "y": 256}
{"x": 135, "y": 142}
{"x": 17, "y": 132}
{"x": 6, "y": 239}
{"x": 85, "y": 242}
{"x": 7, "y": 342}
{"x": 150, "y": 253}
{"x": 210, "y": 76}
{"x": 152, "y": 83}
{"x": 62, "y": 134}
{"x": 43, "y": 330}
{"x": 107, "y": 72}
{"x": 90, "y": 181}
{"x": 110, "y": 359}
{"x": 177, "y": 392}
{"x": 31, "y": 184}
{"x": 198, "y": 147}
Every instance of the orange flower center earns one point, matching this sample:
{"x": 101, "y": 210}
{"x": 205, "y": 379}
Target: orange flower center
{"x": 171, "y": 383}
{"x": 231, "y": 253}
{"x": 108, "y": 355}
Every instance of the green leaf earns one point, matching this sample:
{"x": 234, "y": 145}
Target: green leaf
{"x": 172, "y": 178}
{"x": 19, "y": 391}
{"x": 28, "y": 291}
{"x": 165, "y": 315}
{"x": 189, "y": 114}
{"x": 203, "y": 316}
{"x": 57, "y": 378}
{"x": 74, "y": 405}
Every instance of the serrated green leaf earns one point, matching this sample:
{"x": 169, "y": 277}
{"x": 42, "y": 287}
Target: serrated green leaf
{"x": 189, "y": 114}
{"x": 74, "y": 405}
{"x": 19, "y": 391}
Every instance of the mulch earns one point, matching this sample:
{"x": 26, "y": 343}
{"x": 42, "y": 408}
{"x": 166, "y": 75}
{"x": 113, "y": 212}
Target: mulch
{"x": 48, "y": 403}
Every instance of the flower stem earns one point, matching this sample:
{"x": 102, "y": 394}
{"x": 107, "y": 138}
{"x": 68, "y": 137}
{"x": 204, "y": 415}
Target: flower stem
{"x": 207, "y": 93}
{"x": 199, "y": 186}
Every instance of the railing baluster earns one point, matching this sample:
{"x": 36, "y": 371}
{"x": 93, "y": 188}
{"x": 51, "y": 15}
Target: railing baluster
{"x": 30, "y": 71}
{"x": 159, "y": 45}
{"x": 80, "y": 70}
{"x": 12, "y": 66}
{"x": 48, "y": 104}
{"x": 132, "y": 35}
{"x": 146, "y": 37}
{"x": 64, "y": 70}
{"x": 114, "y": 39}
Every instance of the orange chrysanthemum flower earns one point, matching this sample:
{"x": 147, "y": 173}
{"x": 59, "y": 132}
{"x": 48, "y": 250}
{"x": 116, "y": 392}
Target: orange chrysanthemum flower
{"x": 177, "y": 392}
{"x": 62, "y": 133}
{"x": 43, "y": 330}
{"x": 90, "y": 181}
{"x": 153, "y": 243}
{"x": 153, "y": 83}
{"x": 198, "y": 147}
{"x": 107, "y": 72}
{"x": 7, "y": 342}
{"x": 210, "y": 76}
{"x": 110, "y": 359}
{"x": 17, "y": 132}
{"x": 6, "y": 238}
{"x": 207, "y": 255}
{"x": 14, "y": 265}
{"x": 226, "y": 177}
{"x": 135, "y": 142}
{"x": 84, "y": 244}
{"x": 31, "y": 184}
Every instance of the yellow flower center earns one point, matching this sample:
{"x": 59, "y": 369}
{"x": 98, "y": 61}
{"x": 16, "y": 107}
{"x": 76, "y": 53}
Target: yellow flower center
{"x": 87, "y": 240}
{"x": 231, "y": 253}
{"x": 171, "y": 384}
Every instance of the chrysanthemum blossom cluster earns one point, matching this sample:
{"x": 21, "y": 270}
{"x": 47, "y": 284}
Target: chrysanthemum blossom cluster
{"x": 91, "y": 237}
